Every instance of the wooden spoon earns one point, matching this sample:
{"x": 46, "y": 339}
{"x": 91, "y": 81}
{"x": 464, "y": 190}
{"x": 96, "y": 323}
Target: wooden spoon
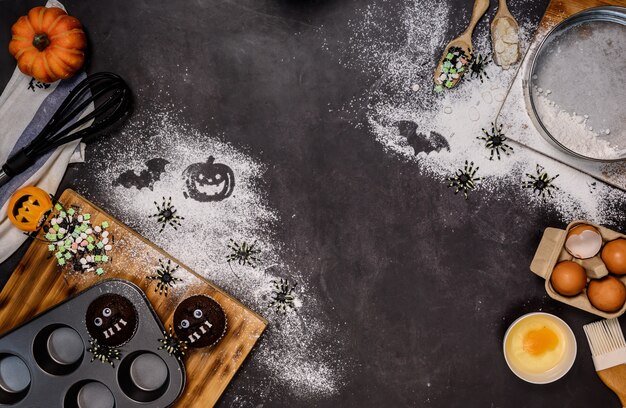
{"x": 504, "y": 37}
{"x": 464, "y": 41}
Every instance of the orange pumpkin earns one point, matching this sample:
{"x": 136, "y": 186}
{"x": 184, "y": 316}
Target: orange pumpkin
{"x": 48, "y": 44}
{"x": 28, "y": 208}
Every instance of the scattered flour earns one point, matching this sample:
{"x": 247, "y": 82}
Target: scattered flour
{"x": 459, "y": 114}
{"x": 299, "y": 350}
{"x": 571, "y": 131}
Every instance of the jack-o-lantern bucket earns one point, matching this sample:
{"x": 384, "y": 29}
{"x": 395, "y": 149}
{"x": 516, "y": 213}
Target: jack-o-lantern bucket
{"x": 28, "y": 208}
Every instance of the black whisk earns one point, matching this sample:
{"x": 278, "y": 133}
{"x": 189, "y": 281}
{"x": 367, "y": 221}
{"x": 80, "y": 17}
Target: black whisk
{"x": 112, "y": 100}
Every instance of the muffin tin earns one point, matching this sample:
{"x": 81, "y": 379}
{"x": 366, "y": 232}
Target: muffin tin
{"x": 46, "y": 362}
{"x": 551, "y": 250}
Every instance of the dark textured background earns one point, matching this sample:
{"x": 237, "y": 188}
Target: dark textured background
{"x": 425, "y": 281}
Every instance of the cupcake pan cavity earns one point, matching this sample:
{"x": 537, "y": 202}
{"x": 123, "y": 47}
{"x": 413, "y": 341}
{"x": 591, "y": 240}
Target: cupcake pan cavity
{"x": 58, "y": 349}
{"x": 15, "y": 379}
{"x": 143, "y": 376}
{"x": 65, "y": 346}
{"x": 46, "y": 362}
{"x": 89, "y": 394}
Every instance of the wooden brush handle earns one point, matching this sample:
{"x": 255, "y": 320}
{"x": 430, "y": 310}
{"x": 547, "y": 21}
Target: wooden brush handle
{"x": 480, "y": 7}
{"x": 615, "y": 379}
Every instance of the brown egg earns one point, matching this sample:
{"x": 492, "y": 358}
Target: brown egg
{"x": 583, "y": 241}
{"x": 614, "y": 256}
{"x": 607, "y": 294}
{"x": 568, "y": 278}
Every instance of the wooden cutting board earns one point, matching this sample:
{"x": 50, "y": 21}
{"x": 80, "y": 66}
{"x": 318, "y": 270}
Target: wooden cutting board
{"x": 559, "y": 10}
{"x": 38, "y": 284}
{"x": 525, "y": 133}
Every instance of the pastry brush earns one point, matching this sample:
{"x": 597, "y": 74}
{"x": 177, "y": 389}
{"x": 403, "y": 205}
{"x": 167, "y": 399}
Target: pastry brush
{"x": 608, "y": 350}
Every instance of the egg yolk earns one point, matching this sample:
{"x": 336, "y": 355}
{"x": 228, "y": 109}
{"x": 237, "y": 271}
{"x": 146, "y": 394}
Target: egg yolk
{"x": 537, "y": 342}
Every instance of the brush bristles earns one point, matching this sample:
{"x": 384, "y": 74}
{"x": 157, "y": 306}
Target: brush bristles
{"x": 604, "y": 336}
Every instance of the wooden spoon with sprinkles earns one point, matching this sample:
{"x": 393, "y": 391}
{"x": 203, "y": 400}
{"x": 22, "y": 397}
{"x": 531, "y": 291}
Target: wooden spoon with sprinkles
{"x": 505, "y": 37}
{"x": 456, "y": 57}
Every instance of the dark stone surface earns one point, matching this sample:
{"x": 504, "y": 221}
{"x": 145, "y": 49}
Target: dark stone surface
{"x": 425, "y": 281}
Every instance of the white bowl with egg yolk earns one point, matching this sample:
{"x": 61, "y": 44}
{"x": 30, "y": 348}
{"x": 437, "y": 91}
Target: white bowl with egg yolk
{"x": 539, "y": 348}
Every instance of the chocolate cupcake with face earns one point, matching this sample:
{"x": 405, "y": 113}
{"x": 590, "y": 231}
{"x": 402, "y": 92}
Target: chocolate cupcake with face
{"x": 111, "y": 319}
{"x": 200, "y": 321}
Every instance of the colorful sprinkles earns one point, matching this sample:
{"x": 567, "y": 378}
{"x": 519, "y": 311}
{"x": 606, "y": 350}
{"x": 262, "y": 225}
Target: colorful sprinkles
{"x": 454, "y": 66}
{"x": 74, "y": 240}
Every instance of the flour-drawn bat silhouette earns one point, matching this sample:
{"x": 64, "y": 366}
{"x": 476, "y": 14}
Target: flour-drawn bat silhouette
{"x": 420, "y": 142}
{"x": 146, "y": 178}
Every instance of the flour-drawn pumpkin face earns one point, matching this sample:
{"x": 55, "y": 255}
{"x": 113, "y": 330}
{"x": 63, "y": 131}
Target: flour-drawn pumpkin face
{"x": 28, "y": 208}
{"x": 111, "y": 319}
{"x": 200, "y": 321}
{"x": 209, "y": 181}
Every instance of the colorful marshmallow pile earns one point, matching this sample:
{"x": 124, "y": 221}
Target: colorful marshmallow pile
{"x": 454, "y": 65}
{"x": 73, "y": 239}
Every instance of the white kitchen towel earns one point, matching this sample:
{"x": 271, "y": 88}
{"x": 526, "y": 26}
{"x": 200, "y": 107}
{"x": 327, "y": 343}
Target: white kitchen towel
{"x": 26, "y": 105}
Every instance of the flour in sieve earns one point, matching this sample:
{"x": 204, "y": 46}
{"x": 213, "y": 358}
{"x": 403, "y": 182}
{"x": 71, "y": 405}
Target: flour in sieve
{"x": 572, "y": 130}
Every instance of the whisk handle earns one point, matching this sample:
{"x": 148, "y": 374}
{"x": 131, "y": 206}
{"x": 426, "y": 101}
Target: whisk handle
{"x": 16, "y": 164}
{"x": 4, "y": 178}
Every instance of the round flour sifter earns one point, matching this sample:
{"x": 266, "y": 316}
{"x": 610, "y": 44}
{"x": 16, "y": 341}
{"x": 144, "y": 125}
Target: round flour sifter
{"x": 574, "y": 85}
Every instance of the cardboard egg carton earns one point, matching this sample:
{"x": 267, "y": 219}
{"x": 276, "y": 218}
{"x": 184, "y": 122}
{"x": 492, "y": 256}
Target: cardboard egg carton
{"x": 551, "y": 250}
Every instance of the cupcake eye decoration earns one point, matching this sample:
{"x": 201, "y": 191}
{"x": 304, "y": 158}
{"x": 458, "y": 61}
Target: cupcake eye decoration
{"x": 111, "y": 320}
{"x": 200, "y": 321}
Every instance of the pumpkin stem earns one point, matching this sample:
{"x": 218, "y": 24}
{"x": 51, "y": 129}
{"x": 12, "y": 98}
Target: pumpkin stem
{"x": 41, "y": 41}
{"x": 210, "y": 160}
